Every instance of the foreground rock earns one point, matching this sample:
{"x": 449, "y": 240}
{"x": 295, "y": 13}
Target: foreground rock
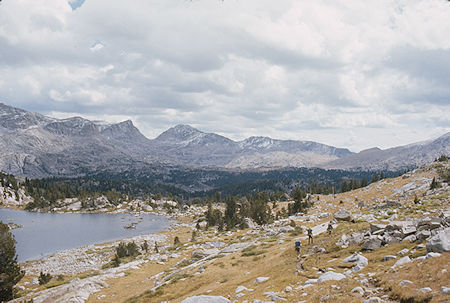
{"x": 360, "y": 261}
{"x": 343, "y": 215}
{"x": 330, "y": 276}
{"x": 371, "y": 244}
{"x": 440, "y": 242}
{"x": 206, "y": 299}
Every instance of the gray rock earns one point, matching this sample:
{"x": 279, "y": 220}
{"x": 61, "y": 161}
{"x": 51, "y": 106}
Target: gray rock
{"x": 373, "y": 300}
{"x": 410, "y": 238}
{"x": 360, "y": 261}
{"x": 402, "y": 261}
{"x": 206, "y": 299}
{"x": 330, "y": 276}
{"x": 371, "y": 244}
{"x": 440, "y": 242}
{"x": 236, "y": 247}
{"x": 359, "y": 290}
{"x": 425, "y": 290}
{"x": 432, "y": 255}
{"x": 388, "y": 239}
{"x": 376, "y": 227}
{"x": 405, "y": 282}
{"x": 409, "y": 229}
{"x": 203, "y": 253}
{"x": 389, "y": 257}
{"x": 404, "y": 251}
{"x": 423, "y": 235}
{"x": 261, "y": 279}
{"x": 435, "y": 224}
{"x": 445, "y": 290}
{"x": 274, "y": 296}
{"x": 311, "y": 281}
{"x": 342, "y": 215}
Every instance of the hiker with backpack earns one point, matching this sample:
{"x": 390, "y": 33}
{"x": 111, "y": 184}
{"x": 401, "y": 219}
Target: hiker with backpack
{"x": 330, "y": 228}
{"x": 297, "y": 246}
{"x": 310, "y": 236}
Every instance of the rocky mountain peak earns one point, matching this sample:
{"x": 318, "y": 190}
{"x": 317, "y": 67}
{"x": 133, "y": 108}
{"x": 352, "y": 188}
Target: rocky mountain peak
{"x": 124, "y": 130}
{"x": 180, "y": 132}
{"x": 15, "y": 118}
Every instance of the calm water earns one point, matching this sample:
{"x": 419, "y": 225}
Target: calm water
{"x": 45, "y": 233}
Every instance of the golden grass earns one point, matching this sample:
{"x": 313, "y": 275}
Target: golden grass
{"x": 426, "y": 273}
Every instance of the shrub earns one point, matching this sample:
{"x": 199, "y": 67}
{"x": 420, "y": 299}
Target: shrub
{"x": 127, "y": 250}
{"x": 44, "y": 278}
{"x": 115, "y": 261}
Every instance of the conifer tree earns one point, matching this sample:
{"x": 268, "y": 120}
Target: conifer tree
{"x": 10, "y": 272}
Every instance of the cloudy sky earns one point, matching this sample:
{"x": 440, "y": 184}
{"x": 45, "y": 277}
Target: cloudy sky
{"x": 347, "y": 73}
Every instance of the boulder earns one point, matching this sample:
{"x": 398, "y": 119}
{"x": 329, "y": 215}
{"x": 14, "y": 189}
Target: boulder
{"x": 376, "y": 227}
{"x": 445, "y": 290}
{"x": 423, "y": 235}
{"x": 311, "y": 281}
{"x": 371, "y": 244}
{"x": 330, "y": 276}
{"x": 404, "y": 251}
{"x": 242, "y": 288}
{"x": 360, "y": 261}
{"x": 203, "y": 253}
{"x": 359, "y": 290}
{"x": 435, "y": 223}
{"x": 410, "y": 238}
{"x": 402, "y": 261}
{"x": 342, "y": 215}
{"x": 440, "y": 242}
{"x": 373, "y": 300}
{"x": 388, "y": 239}
{"x": 408, "y": 229}
{"x": 236, "y": 247}
{"x": 405, "y": 282}
{"x": 432, "y": 255}
{"x": 261, "y": 279}
{"x": 206, "y": 299}
{"x": 389, "y": 257}
{"x": 425, "y": 290}
{"x": 273, "y": 296}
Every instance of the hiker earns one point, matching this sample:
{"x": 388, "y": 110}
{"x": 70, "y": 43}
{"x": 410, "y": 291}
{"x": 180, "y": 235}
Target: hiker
{"x": 330, "y": 228}
{"x": 310, "y": 238}
{"x": 297, "y": 246}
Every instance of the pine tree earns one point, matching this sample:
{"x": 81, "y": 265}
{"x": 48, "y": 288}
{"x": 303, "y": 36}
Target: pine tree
{"x": 10, "y": 272}
{"x": 298, "y": 196}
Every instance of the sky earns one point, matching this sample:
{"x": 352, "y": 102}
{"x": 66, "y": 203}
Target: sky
{"x": 347, "y": 73}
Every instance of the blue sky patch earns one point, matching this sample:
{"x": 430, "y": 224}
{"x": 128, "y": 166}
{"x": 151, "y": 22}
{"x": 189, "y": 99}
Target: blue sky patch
{"x": 76, "y": 4}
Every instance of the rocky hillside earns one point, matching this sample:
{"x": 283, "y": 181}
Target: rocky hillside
{"x": 390, "y": 242}
{"x": 412, "y": 155}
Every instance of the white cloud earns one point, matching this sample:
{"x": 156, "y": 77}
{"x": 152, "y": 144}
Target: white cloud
{"x": 344, "y": 72}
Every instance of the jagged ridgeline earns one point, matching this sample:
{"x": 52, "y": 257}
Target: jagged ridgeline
{"x": 189, "y": 184}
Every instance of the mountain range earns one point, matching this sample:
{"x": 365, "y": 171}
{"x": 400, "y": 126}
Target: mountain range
{"x": 35, "y": 145}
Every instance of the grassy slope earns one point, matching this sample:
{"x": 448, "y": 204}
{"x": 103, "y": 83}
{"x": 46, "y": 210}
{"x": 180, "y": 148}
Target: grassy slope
{"x": 279, "y": 261}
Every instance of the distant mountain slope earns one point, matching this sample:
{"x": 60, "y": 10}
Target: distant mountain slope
{"x": 34, "y": 145}
{"x": 411, "y": 155}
